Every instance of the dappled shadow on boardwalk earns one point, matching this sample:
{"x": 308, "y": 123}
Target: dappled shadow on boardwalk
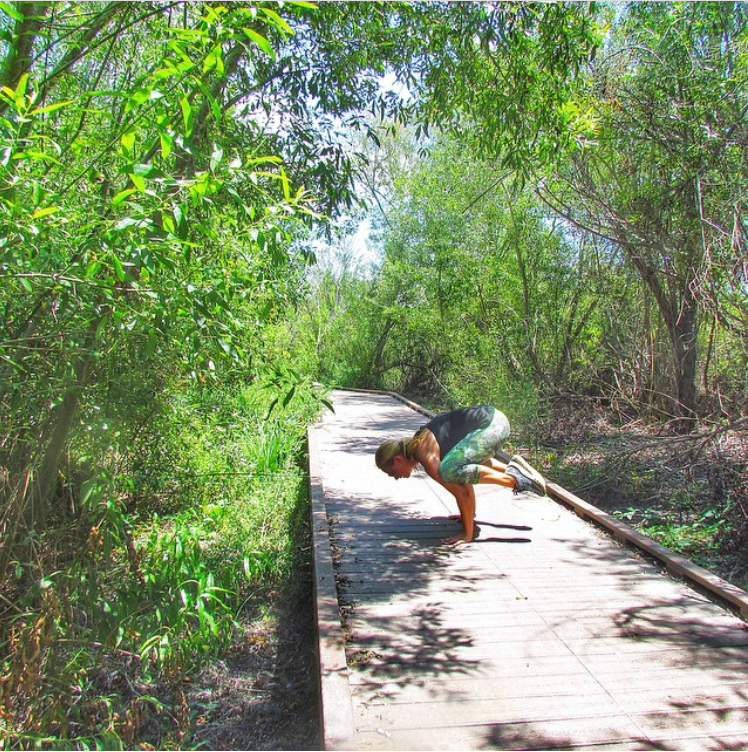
{"x": 545, "y": 635}
{"x": 535, "y": 737}
{"x": 419, "y": 646}
{"x": 388, "y": 572}
{"x": 643, "y": 601}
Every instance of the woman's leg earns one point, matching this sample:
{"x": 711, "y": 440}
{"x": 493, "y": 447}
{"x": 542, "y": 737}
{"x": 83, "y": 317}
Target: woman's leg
{"x": 472, "y": 460}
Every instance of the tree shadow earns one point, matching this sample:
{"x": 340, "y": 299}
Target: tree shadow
{"x": 394, "y": 577}
{"x": 387, "y": 573}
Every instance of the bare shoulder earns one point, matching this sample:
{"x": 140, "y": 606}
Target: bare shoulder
{"x": 428, "y": 454}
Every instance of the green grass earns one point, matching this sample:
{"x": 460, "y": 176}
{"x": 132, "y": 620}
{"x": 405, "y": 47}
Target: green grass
{"x": 146, "y": 587}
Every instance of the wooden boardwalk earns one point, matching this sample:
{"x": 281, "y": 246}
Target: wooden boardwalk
{"x": 545, "y": 633}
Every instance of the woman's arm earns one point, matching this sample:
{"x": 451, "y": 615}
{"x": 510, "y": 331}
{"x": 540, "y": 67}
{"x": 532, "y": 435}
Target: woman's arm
{"x": 428, "y": 455}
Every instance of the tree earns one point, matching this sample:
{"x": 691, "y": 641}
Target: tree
{"x": 501, "y": 72}
{"x": 116, "y": 217}
{"x": 665, "y": 176}
{"x": 480, "y": 292}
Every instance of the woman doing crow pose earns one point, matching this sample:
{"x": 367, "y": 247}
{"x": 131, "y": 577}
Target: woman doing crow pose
{"x": 457, "y": 450}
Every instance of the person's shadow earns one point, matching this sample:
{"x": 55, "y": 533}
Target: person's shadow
{"x": 501, "y": 539}
{"x": 496, "y": 539}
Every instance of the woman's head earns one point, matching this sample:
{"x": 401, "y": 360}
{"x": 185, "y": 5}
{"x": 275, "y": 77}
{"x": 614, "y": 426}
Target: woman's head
{"x": 395, "y": 458}
{"x": 387, "y": 451}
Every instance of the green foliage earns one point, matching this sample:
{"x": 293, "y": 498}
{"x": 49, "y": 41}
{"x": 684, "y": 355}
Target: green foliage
{"x": 598, "y": 281}
{"x": 151, "y": 596}
{"x": 479, "y": 296}
{"x": 505, "y": 77}
{"x": 661, "y": 182}
{"x": 142, "y": 239}
{"x": 507, "y": 68}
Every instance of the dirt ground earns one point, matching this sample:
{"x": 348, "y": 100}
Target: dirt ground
{"x": 263, "y": 695}
{"x": 687, "y": 491}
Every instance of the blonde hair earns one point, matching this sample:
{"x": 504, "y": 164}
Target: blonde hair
{"x": 388, "y": 450}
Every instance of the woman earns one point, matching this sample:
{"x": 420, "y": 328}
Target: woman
{"x": 457, "y": 450}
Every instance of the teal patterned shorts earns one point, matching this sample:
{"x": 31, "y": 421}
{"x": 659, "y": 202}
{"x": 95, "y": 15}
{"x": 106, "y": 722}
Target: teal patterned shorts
{"x": 463, "y": 462}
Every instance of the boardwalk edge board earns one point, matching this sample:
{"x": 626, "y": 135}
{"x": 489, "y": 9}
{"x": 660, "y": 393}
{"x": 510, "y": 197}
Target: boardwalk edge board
{"x": 334, "y": 688}
{"x": 677, "y": 565}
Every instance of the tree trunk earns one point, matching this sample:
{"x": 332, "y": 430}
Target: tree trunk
{"x": 530, "y": 340}
{"x": 708, "y": 358}
{"x": 45, "y": 477}
{"x": 376, "y": 361}
{"x": 685, "y": 335}
{"x": 18, "y": 60}
{"x": 681, "y": 320}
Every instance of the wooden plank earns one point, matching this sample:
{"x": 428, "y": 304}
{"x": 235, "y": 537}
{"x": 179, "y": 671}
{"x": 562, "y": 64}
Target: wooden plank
{"x": 464, "y": 689}
{"x": 496, "y": 710}
{"x": 615, "y": 733}
{"x": 670, "y": 689}
{"x": 576, "y": 733}
{"x": 335, "y": 699}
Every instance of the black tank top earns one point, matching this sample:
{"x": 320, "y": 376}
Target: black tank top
{"x": 450, "y": 428}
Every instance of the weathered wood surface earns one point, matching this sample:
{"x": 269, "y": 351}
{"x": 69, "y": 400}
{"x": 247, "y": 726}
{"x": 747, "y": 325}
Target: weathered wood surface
{"x": 545, "y": 633}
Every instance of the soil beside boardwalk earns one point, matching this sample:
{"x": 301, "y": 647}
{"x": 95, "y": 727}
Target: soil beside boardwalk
{"x": 263, "y": 694}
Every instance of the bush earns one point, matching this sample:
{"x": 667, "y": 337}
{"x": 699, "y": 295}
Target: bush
{"x": 144, "y": 583}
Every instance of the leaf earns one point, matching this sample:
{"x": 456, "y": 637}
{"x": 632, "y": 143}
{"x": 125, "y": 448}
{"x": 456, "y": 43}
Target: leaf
{"x": 271, "y": 408}
{"x": 216, "y": 157}
{"x": 289, "y": 396}
{"x": 285, "y": 183}
{"x": 118, "y": 268}
{"x": 51, "y": 107}
{"x": 167, "y": 142}
{"x": 34, "y": 155}
{"x": 9, "y": 10}
{"x": 128, "y": 140}
{"x": 122, "y": 195}
{"x": 21, "y": 88}
{"x": 262, "y": 160}
{"x": 167, "y": 222}
{"x": 214, "y": 59}
{"x": 127, "y": 222}
{"x": 138, "y": 182}
{"x": 260, "y": 41}
{"x": 186, "y": 115}
{"x": 146, "y": 170}
{"x": 279, "y": 22}
{"x": 214, "y": 106}
{"x": 44, "y": 212}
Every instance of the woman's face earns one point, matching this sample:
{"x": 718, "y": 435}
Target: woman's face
{"x": 398, "y": 467}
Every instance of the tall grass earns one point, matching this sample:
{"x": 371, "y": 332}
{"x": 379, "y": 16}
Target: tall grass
{"x": 124, "y": 600}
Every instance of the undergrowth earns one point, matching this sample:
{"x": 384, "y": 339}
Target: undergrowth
{"x": 118, "y": 603}
{"x": 686, "y": 493}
